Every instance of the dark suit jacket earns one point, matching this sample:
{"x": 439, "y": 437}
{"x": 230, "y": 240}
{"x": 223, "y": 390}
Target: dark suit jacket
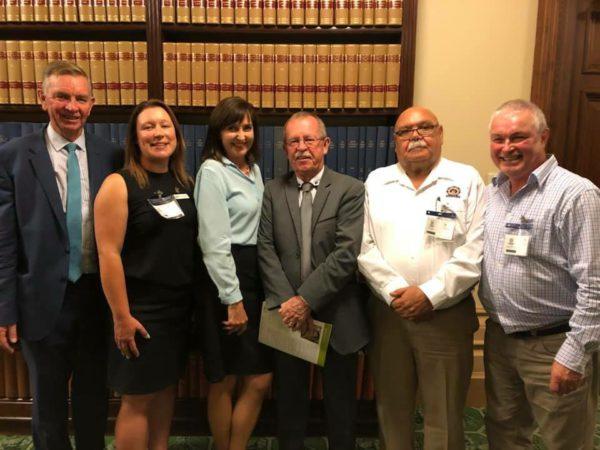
{"x": 34, "y": 244}
{"x": 331, "y": 289}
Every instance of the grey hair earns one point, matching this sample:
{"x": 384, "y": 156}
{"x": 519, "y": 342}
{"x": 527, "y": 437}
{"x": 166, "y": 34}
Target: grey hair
{"x": 57, "y": 68}
{"x": 539, "y": 118}
{"x": 304, "y": 115}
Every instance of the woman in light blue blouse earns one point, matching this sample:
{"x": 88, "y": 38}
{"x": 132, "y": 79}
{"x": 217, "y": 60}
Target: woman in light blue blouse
{"x": 228, "y": 197}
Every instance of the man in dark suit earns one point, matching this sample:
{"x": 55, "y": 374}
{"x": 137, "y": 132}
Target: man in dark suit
{"x": 50, "y": 296}
{"x": 308, "y": 241}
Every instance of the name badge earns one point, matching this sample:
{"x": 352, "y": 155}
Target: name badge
{"x": 517, "y": 238}
{"x": 167, "y": 207}
{"x": 183, "y": 196}
{"x": 440, "y": 225}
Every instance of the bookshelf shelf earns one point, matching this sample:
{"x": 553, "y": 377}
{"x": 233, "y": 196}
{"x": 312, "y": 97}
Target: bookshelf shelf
{"x": 70, "y": 31}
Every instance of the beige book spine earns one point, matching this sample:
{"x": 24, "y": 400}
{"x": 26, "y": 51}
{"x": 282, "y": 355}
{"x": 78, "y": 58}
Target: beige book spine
{"x": 125, "y": 10}
{"x": 126, "y": 75}
{"x": 295, "y": 76}
{"x": 170, "y": 73}
{"x": 225, "y": 71}
{"x": 26, "y": 10}
{"x": 240, "y": 70}
{"x": 212, "y": 74}
{"x": 322, "y": 76}
{"x": 212, "y": 11}
{"x": 351, "y": 76}
{"x": 368, "y": 12}
{"x": 82, "y": 55}
{"x": 255, "y": 12}
{"x": 15, "y": 83}
{"x": 311, "y": 12}
{"x": 269, "y": 12}
{"x": 86, "y": 10}
{"x": 184, "y": 73}
{"x": 198, "y": 77}
{"x": 138, "y": 10}
{"x": 392, "y": 75}
{"x": 67, "y": 51}
{"x": 378, "y": 76}
{"x": 342, "y": 12}
{"x": 326, "y": 14}
{"x": 198, "y": 11}
{"x": 55, "y": 11}
{"x": 168, "y": 11}
{"x": 100, "y": 10}
{"x": 267, "y": 97}
{"x": 241, "y": 12}
{"x": 27, "y": 72}
{"x": 4, "y": 95}
{"x": 40, "y": 11}
{"x": 282, "y": 75}
{"x": 283, "y": 12}
{"x": 140, "y": 70}
{"x": 12, "y": 11}
{"x": 297, "y": 12}
{"x": 97, "y": 72}
{"x": 394, "y": 12}
{"x": 356, "y": 12}
{"x": 227, "y": 11}
{"x": 336, "y": 76}
{"x": 53, "y": 50}
{"x": 365, "y": 60}
{"x": 183, "y": 11}
{"x": 70, "y": 11}
{"x": 381, "y": 12}
{"x": 254, "y": 74}
{"x": 40, "y": 61}
{"x": 309, "y": 76}
{"x": 2, "y": 16}
{"x": 112, "y": 10}
{"x": 111, "y": 68}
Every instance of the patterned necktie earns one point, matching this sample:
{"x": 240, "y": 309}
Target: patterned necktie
{"x": 73, "y": 212}
{"x": 305, "y": 221}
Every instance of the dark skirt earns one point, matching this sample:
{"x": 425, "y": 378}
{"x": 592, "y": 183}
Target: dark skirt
{"x": 164, "y": 312}
{"x": 230, "y": 354}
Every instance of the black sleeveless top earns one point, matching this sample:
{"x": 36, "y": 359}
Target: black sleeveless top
{"x": 158, "y": 250}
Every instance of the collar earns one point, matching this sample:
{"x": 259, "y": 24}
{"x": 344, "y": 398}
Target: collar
{"x": 538, "y": 176}
{"x": 397, "y": 174}
{"x": 314, "y": 180}
{"x": 57, "y": 142}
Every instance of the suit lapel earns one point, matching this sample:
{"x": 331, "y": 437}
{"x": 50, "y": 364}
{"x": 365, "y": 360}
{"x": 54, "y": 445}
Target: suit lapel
{"x": 321, "y": 197}
{"x": 93, "y": 160}
{"x": 291, "y": 195}
{"x": 44, "y": 172}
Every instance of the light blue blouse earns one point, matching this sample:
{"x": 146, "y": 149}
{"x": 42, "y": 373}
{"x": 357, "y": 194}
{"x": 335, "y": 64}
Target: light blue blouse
{"x": 229, "y": 205}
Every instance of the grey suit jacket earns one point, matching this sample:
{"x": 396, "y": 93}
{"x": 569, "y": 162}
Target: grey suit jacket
{"x": 331, "y": 289}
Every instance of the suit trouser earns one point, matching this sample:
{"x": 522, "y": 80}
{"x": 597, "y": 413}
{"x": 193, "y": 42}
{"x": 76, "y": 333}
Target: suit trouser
{"x": 517, "y": 377}
{"x": 75, "y": 347}
{"x": 339, "y": 398}
{"x": 434, "y": 357}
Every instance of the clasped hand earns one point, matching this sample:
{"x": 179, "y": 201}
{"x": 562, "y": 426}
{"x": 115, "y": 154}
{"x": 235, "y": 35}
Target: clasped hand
{"x": 411, "y": 303}
{"x": 295, "y": 313}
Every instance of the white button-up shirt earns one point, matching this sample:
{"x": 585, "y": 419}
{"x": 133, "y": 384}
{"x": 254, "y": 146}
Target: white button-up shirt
{"x": 396, "y": 252}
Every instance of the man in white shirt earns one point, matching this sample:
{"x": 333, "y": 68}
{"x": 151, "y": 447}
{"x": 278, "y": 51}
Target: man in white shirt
{"x": 421, "y": 255}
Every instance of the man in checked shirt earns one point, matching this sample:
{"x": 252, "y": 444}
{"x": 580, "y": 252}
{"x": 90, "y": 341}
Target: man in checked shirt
{"x": 541, "y": 287}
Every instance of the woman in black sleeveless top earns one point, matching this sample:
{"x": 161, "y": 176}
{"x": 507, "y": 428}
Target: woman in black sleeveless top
{"x": 146, "y": 228}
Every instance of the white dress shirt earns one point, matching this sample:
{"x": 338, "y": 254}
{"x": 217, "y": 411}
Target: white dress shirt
{"x": 314, "y": 181}
{"x": 396, "y": 252}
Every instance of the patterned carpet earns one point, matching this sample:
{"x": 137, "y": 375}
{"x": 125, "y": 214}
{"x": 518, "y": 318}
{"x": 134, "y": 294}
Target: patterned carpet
{"x": 474, "y": 438}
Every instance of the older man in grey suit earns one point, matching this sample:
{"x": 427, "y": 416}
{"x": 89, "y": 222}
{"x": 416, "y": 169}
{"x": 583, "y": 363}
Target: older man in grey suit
{"x": 308, "y": 241}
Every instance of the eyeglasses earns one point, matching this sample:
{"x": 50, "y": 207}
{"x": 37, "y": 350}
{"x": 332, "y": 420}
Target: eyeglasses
{"x": 310, "y": 142}
{"x": 422, "y": 130}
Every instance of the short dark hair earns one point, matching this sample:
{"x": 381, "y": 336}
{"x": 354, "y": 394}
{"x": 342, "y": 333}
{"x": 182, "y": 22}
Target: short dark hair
{"x": 229, "y": 111}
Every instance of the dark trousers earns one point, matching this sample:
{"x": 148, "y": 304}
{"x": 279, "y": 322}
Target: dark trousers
{"x": 339, "y": 398}
{"x": 76, "y": 347}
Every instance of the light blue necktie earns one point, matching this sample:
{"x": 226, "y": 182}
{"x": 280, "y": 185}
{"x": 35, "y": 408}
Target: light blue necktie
{"x": 73, "y": 212}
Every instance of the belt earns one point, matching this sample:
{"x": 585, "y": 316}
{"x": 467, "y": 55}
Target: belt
{"x": 562, "y": 328}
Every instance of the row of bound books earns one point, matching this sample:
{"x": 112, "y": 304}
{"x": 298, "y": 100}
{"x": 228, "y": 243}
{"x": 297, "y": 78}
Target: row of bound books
{"x": 284, "y": 12}
{"x": 118, "y": 70}
{"x": 286, "y": 76}
{"x": 14, "y": 379}
{"x": 355, "y": 151}
{"x": 73, "y": 10}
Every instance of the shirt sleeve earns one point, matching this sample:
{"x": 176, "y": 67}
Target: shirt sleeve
{"x": 382, "y": 277}
{"x": 579, "y": 231}
{"x": 462, "y": 271}
{"x": 214, "y": 231}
